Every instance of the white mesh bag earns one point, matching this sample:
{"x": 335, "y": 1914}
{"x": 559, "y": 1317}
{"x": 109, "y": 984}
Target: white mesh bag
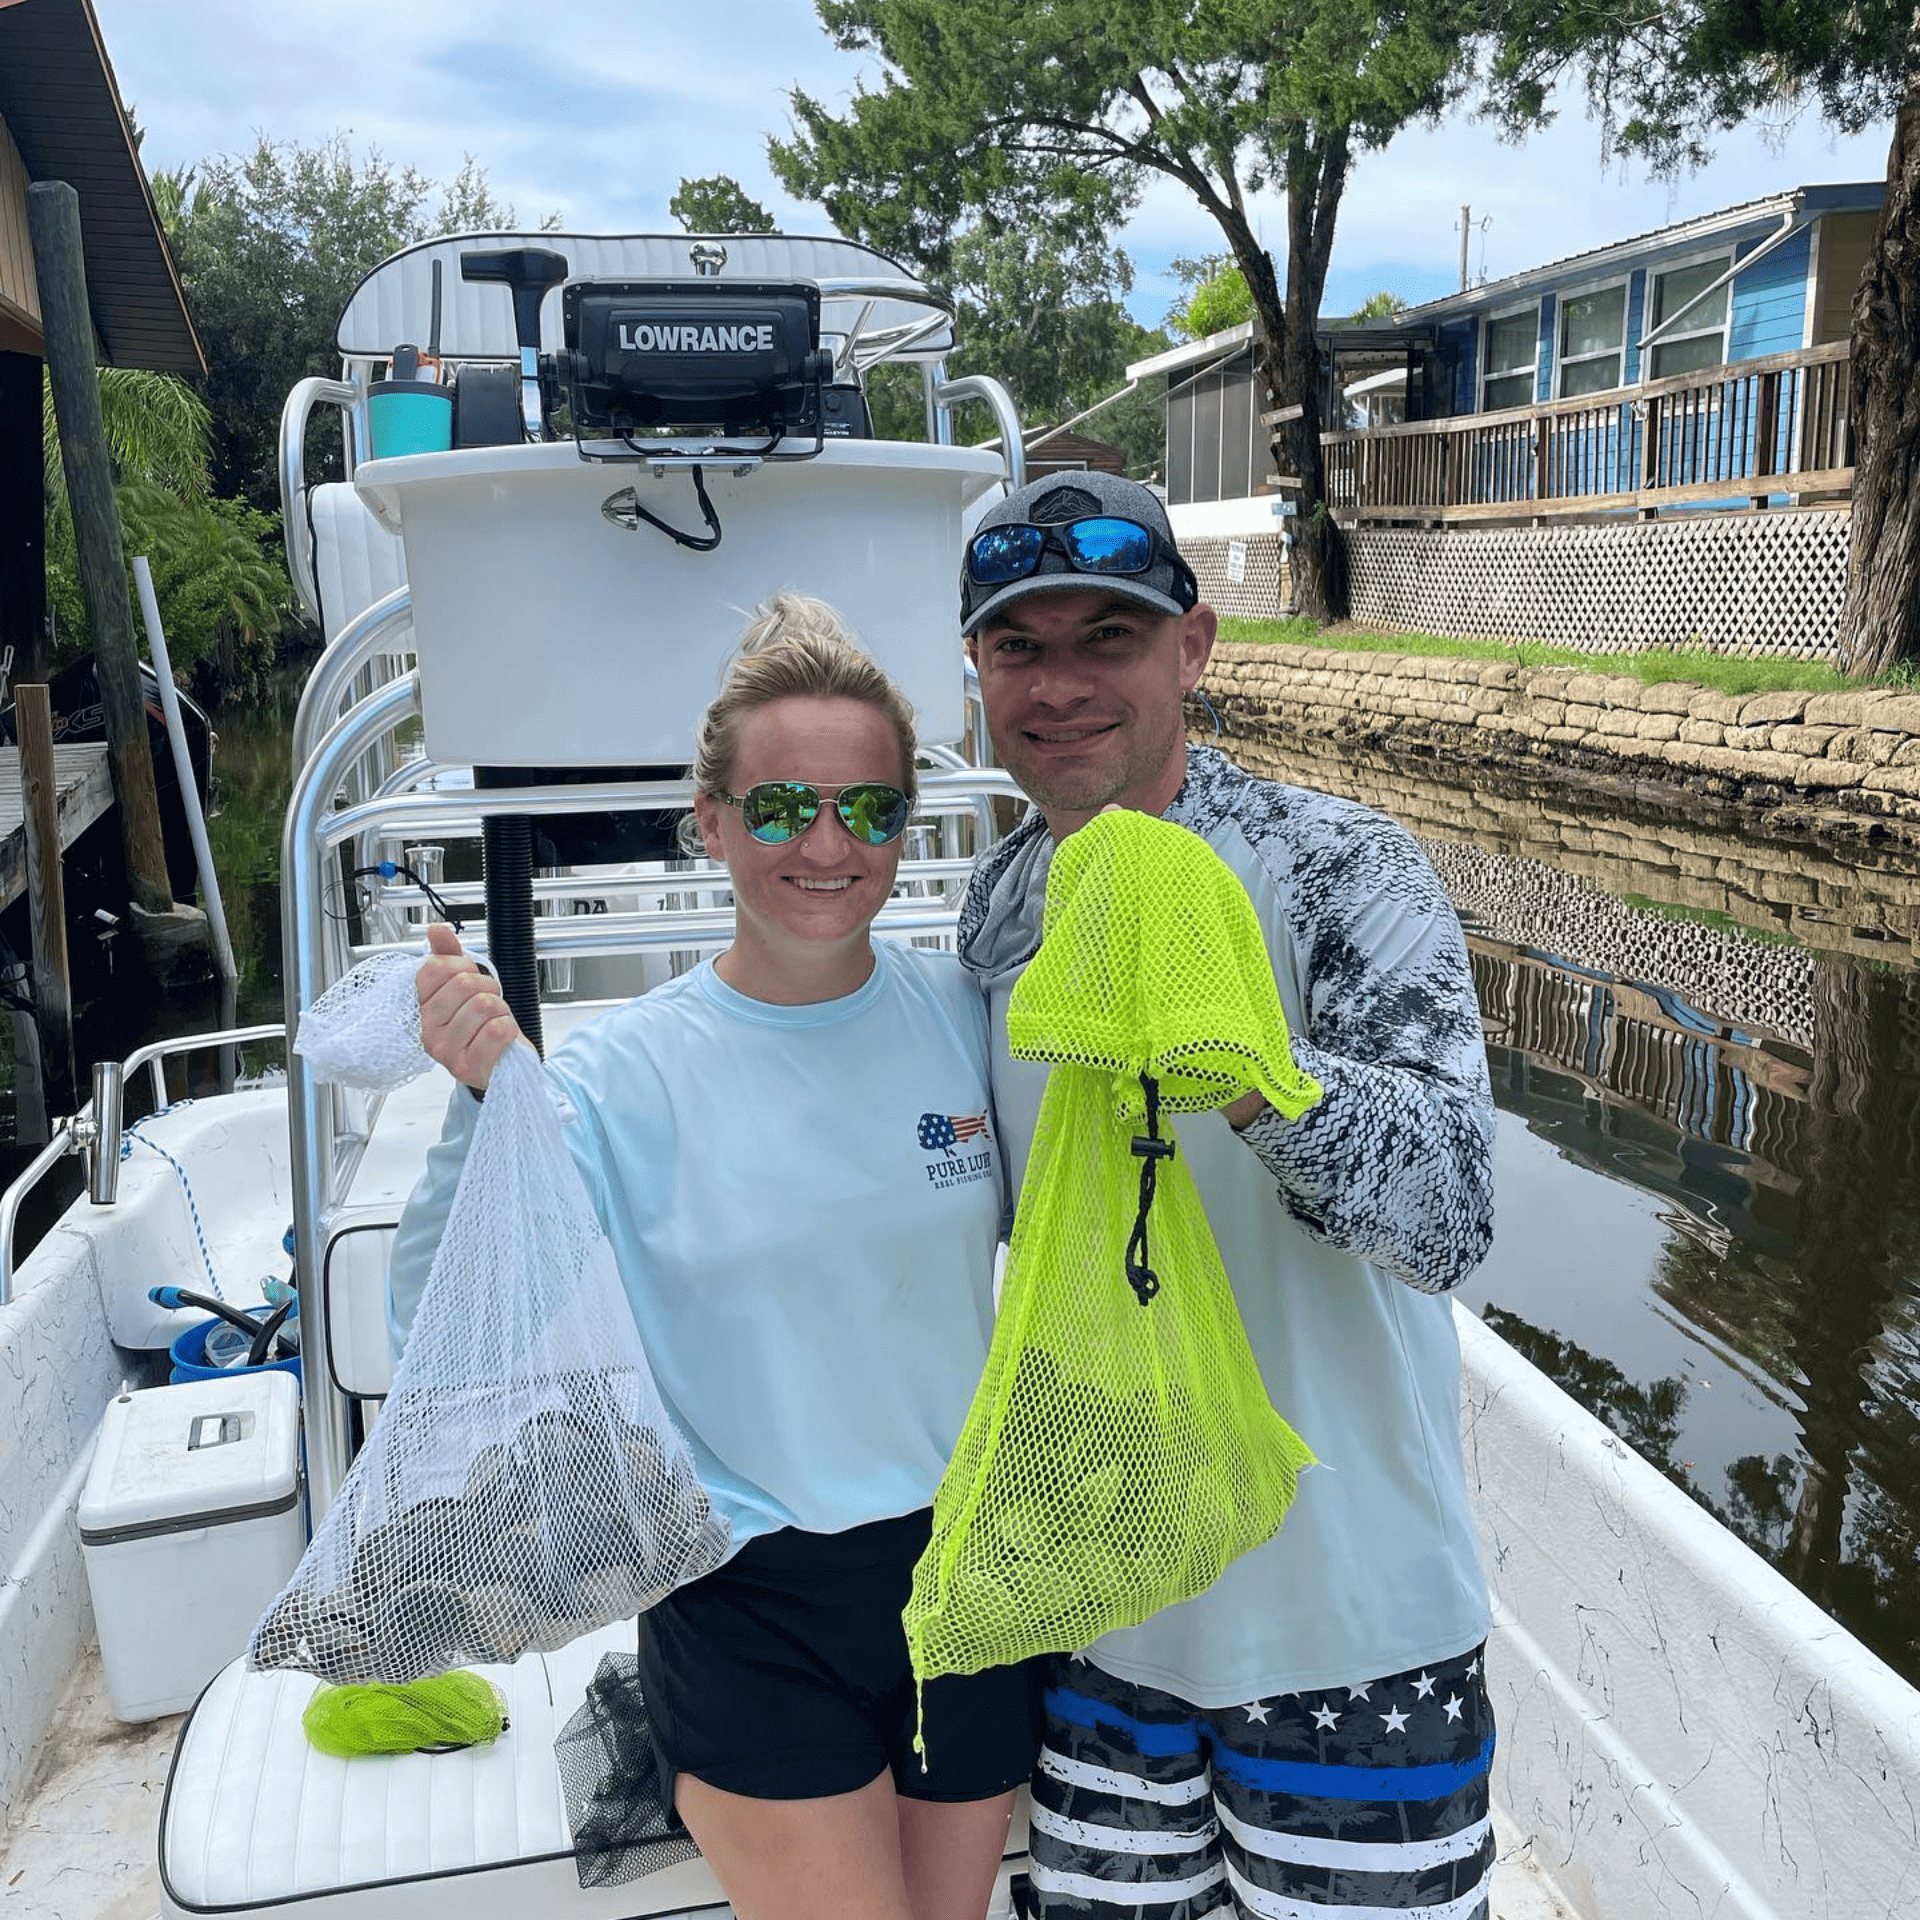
{"x": 523, "y": 1485}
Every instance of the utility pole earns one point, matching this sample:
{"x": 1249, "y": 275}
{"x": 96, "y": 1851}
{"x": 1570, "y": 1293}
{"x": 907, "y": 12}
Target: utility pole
{"x": 1467, "y": 225}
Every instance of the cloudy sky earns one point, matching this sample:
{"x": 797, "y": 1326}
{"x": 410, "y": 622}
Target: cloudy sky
{"x": 597, "y": 112}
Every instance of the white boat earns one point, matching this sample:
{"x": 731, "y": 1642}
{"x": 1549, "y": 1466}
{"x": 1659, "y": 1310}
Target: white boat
{"x": 1680, "y": 1731}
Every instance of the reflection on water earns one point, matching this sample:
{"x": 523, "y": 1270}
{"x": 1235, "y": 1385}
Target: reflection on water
{"x": 1706, "y": 1052}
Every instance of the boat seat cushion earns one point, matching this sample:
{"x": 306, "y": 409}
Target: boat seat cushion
{"x": 354, "y": 1278}
{"x": 356, "y": 561}
{"x": 255, "y": 1819}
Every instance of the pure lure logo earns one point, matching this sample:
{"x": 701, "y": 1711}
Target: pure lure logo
{"x": 952, "y": 1136}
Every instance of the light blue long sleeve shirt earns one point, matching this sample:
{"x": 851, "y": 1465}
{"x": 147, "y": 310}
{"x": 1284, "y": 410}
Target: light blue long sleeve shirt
{"x": 804, "y": 1204}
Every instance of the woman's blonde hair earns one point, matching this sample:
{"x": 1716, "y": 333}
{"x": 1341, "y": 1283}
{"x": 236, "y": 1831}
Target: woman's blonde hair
{"x": 795, "y": 648}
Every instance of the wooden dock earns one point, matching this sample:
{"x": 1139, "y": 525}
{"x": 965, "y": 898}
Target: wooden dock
{"x": 85, "y": 785}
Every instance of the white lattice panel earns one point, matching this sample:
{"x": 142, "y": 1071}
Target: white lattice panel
{"x": 1748, "y": 583}
{"x": 1264, "y": 588}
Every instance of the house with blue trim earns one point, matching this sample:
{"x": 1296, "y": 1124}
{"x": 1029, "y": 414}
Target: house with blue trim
{"x": 1767, "y": 277}
{"x": 1697, "y": 372}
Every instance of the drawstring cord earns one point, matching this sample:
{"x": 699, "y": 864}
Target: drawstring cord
{"x": 1149, "y": 1149}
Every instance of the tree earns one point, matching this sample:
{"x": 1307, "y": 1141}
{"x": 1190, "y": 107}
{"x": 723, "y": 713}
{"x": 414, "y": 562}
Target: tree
{"x": 1063, "y": 113}
{"x": 718, "y": 204}
{"x": 1663, "y": 80}
{"x": 1044, "y": 314}
{"x": 216, "y": 575}
{"x": 270, "y": 248}
{"x": 1041, "y": 313}
{"x": 1219, "y": 298}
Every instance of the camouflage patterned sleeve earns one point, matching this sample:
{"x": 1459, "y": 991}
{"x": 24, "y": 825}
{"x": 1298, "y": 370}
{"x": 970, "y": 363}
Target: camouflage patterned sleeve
{"x": 1395, "y": 1164}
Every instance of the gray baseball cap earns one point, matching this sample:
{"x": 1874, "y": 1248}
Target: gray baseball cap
{"x": 1166, "y": 585}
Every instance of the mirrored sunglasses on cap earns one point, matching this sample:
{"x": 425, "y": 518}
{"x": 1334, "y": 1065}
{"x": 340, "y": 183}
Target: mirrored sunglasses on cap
{"x": 1102, "y": 544}
{"x": 776, "y": 811}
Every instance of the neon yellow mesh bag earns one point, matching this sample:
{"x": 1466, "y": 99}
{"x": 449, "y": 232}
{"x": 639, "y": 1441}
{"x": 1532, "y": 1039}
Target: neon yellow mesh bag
{"x": 1121, "y": 1449}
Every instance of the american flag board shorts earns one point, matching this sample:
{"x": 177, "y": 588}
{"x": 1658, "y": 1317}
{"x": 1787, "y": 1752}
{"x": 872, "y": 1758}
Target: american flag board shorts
{"x": 1336, "y": 1800}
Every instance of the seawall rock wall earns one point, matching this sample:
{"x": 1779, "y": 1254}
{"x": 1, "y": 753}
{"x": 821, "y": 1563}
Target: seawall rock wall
{"x": 1843, "y": 765}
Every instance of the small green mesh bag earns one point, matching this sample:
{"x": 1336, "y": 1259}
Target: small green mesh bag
{"x": 1121, "y": 1449}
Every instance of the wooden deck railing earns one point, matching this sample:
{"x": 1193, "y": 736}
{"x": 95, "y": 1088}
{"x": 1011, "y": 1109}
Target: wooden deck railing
{"x": 1742, "y": 434}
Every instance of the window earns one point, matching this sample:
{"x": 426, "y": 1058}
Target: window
{"x": 1511, "y": 349}
{"x": 1593, "y": 331}
{"x": 1698, "y": 338}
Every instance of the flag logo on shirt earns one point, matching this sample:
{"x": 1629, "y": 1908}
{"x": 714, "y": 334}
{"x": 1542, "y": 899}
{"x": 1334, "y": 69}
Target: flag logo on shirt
{"x": 943, "y": 1130}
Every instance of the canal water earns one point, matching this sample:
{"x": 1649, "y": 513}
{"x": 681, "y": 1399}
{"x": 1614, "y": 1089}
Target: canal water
{"x": 1706, "y": 1055}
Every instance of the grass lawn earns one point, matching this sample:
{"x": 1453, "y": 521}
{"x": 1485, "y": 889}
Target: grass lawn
{"x": 1724, "y": 673}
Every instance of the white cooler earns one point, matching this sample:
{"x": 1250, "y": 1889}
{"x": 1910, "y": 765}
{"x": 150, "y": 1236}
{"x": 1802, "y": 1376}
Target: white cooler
{"x": 191, "y": 1523}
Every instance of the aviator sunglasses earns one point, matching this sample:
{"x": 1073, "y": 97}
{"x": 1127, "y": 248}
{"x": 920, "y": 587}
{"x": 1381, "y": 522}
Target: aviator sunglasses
{"x": 776, "y": 811}
{"x": 1103, "y": 544}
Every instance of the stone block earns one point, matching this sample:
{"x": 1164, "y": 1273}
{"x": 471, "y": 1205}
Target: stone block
{"x": 1708, "y": 705}
{"x": 1784, "y": 705}
{"x": 1836, "y": 709}
{"x": 1788, "y": 889}
{"x": 1589, "y": 688}
{"x": 1827, "y": 774}
{"x": 1584, "y": 716}
{"x": 1502, "y": 673}
{"x": 1658, "y": 726}
{"x": 1812, "y": 741}
{"x": 1896, "y": 712}
{"x": 1750, "y": 739}
{"x": 1618, "y": 723}
{"x": 1705, "y": 895}
{"x": 1551, "y": 683}
{"x": 1668, "y": 696}
{"x": 1703, "y": 733}
{"x": 1866, "y": 744}
{"x": 1902, "y": 780}
{"x": 1566, "y": 736}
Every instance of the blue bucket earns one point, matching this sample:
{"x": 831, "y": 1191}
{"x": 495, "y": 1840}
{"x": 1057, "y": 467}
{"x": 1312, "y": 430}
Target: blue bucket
{"x": 409, "y": 416}
{"x": 189, "y": 1353}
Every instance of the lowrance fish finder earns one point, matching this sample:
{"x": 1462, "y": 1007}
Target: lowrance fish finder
{"x": 734, "y": 358}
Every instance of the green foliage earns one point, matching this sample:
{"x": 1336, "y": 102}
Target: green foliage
{"x": 1662, "y": 80}
{"x": 270, "y": 247}
{"x": 216, "y": 566}
{"x": 1042, "y": 313}
{"x": 216, "y": 571}
{"x": 157, "y": 427}
{"x": 718, "y": 204}
{"x": 1220, "y": 301}
{"x": 1378, "y": 306}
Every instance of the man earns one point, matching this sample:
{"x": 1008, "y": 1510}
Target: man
{"x": 1312, "y": 1733}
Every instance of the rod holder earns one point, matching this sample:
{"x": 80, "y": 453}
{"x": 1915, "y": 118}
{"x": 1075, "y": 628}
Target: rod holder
{"x": 98, "y": 1133}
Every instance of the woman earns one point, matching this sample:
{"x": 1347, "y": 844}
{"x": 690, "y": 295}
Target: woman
{"x": 790, "y": 1151}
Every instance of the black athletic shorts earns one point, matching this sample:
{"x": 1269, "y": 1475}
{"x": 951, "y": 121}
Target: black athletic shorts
{"x": 783, "y": 1675}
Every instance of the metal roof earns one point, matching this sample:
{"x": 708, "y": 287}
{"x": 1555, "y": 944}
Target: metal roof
{"x": 1358, "y": 336}
{"x": 1851, "y": 197}
{"x": 62, "y": 106}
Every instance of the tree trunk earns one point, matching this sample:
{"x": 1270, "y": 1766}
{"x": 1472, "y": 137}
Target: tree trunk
{"x": 1287, "y": 360}
{"x": 1882, "y": 620}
